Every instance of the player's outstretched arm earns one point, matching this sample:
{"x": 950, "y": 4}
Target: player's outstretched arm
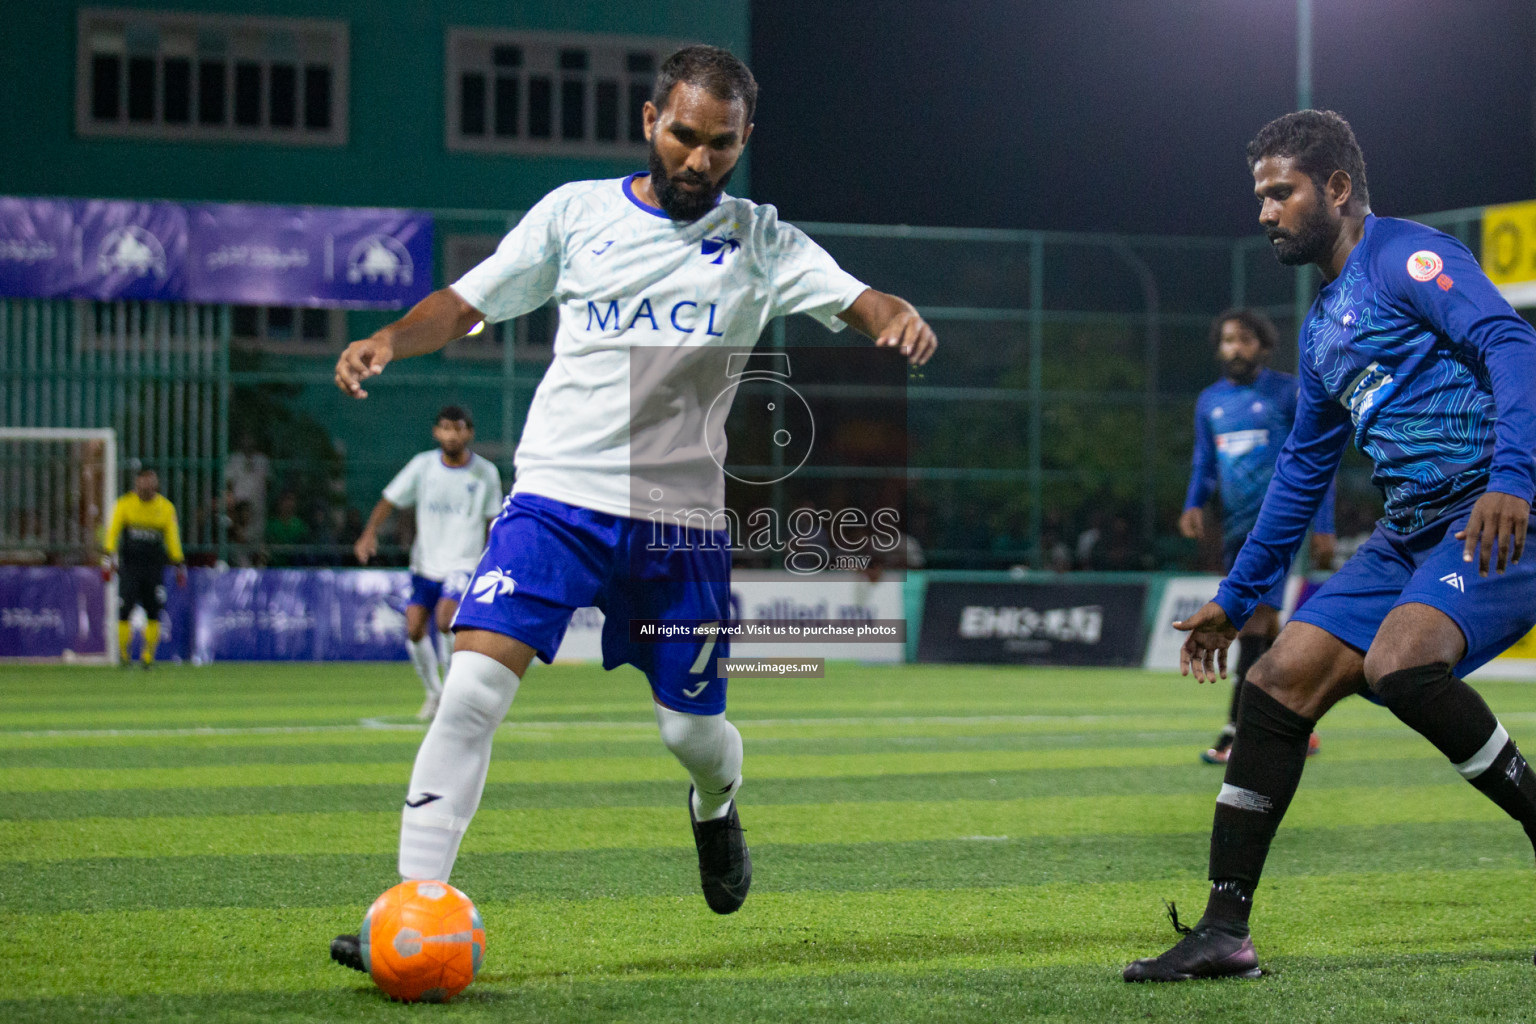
{"x": 432, "y": 323}
{"x": 1205, "y": 649}
{"x": 367, "y": 544}
{"x": 894, "y": 323}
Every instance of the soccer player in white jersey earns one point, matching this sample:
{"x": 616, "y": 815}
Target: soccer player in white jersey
{"x": 658, "y": 259}
{"x": 455, "y": 493}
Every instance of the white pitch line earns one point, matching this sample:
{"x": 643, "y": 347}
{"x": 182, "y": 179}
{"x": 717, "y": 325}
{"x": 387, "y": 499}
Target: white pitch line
{"x": 381, "y": 724}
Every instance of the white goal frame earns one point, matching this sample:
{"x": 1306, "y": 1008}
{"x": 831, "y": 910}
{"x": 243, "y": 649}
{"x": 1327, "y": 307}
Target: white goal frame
{"x": 108, "y": 497}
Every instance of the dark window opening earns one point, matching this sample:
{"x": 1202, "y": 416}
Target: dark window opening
{"x": 284, "y": 98}
{"x": 178, "y": 91}
{"x": 639, "y": 96}
{"x": 607, "y": 127}
{"x": 317, "y": 96}
{"x": 507, "y": 56}
{"x": 141, "y": 88}
{"x": 472, "y": 104}
{"x": 573, "y": 60}
{"x": 210, "y": 92}
{"x": 280, "y": 323}
{"x": 507, "y": 95}
{"x": 106, "y": 86}
{"x": 540, "y": 101}
{"x": 640, "y": 63}
{"x": 246, "y": 321}
{"x": 573, "y": 109}
{"x": 248, "y": 94}
{"x": 315, "y": 325}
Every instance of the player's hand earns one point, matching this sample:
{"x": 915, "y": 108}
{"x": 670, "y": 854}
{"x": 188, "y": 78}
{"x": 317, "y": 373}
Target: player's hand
{"x": 181, "y": 576}
{"x": 910, "y": 333}
{"x": 108, "y": 569}
{"x": 1205, "y": 649}
{"x": 1498, "y": 522}
{"x": 1192, "y": 523}
{"x": 361, "y": 360}
{"x": 365, "y": 548}
{"x": 1322, "y": 550}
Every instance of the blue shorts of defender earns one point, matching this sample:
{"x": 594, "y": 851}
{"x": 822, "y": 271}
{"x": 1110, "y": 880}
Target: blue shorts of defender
{"x": 427, "y": 592}
{"x": 1274, "y": 597}
{"x": 545, "y": 559}
{"x": 1425, "y": 567}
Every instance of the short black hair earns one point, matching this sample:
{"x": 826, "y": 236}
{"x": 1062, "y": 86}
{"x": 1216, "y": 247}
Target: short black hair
{"x": 1262, "y": 326}
{"x": 717, "y": 70}
{"x": 145, "y": 471}
{"x": 1321, "y": 142}
{"x": 454, "y": 414}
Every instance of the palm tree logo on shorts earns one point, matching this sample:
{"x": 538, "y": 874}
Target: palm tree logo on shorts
{"x": 491, "y": 585}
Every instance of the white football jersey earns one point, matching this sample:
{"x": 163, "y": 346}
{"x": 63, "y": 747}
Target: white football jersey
{"x": 453, "y": 504}
{"x": 645, "y": 303}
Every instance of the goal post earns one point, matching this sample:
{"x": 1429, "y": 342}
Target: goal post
{"x": 57, "y": 488}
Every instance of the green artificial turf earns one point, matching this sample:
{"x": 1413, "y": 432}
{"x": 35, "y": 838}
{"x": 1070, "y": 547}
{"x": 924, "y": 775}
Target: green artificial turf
{"x": 930, "y": 843}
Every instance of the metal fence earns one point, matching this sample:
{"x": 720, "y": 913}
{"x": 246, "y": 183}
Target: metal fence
{"x": 1058, "y": 413}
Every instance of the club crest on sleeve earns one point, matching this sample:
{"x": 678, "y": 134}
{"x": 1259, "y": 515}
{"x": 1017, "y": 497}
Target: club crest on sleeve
{"x": 1425, "y": 265}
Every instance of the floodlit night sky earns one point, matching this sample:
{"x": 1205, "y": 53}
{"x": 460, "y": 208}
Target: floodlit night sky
{"x": 1126, "y": 115}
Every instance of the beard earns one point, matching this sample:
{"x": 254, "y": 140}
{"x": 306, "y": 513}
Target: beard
{"x": 1239, "y": 371}
{"x": 678, "y": 203}
{"x": 1310, "y": 243}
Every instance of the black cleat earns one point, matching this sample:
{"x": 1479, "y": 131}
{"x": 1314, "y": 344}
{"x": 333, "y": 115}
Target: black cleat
{"x": 1203, "y": 952}
{"x": 725, "y": 865}
{"x": 347, "y": 950}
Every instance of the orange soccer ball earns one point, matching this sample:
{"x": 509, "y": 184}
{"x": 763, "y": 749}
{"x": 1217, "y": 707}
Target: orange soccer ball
{"x": 423, "y": 942}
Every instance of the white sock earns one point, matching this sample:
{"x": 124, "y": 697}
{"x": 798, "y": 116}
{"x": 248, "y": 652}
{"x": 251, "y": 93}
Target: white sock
{"x": 444, "y": 651}
{"x": 710, "y": 748}
{"x": 451, "y": 765}
{"x": 424, "y": 661}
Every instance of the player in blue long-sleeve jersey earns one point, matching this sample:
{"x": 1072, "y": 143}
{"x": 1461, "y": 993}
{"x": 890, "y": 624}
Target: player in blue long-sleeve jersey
{"x": 1410, "y": 350}
{"x": 1240, "y": 423}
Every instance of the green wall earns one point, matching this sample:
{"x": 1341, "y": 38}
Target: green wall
{"x": 395, "y": 155}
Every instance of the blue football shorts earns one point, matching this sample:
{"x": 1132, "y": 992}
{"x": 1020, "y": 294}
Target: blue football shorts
{"x": 1425, "y": 567}
{"x": 545, "y": 559}
{"x": 427, "y": 592}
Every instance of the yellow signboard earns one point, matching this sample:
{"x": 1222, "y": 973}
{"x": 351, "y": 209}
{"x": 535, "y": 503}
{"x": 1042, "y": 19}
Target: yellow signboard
{"x": 1509, "y": 243}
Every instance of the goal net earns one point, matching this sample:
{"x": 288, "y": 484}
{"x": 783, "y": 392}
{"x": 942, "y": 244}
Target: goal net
{"x": 57, "y": 486}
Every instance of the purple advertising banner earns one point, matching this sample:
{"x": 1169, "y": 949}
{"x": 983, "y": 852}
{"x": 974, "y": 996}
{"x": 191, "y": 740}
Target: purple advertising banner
{"x": 322, "y": 257}
{"x": 298, "y": 615}
{"x": 52, "y": 612}
{"x": 309, "y": 256}
{"x": 129, "y": 251}
{"x": 37, "y": 247}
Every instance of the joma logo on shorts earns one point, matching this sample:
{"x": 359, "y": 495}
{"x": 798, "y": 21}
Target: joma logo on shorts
{"x": 488, "y": 587}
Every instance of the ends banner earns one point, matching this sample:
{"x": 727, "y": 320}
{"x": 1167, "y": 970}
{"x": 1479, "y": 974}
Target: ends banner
{"x": 1033, "y": 623}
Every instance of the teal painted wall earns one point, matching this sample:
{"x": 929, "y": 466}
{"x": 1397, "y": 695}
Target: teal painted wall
{"x": 395, "y": 155}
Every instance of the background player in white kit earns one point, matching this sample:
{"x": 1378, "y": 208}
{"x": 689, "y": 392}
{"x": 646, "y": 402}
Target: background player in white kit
{"x": 455, "y": 493}
{"x": 652, "y": 262}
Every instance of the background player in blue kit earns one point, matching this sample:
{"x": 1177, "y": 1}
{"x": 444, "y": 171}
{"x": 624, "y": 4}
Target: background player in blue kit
{"x": 1412, "y": 351}
{"x": 651, "y": 272}
{"x": 1240, "y": 423}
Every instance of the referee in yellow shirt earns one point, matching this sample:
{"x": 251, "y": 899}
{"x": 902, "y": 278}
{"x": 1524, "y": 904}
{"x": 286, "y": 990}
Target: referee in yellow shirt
{"x": 141, "y": 538}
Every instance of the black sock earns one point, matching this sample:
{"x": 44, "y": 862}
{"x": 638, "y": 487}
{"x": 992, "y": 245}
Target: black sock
{"x": 1456, "y": 719}
{"x": 1249, "y": 650}
{"x": 1266, "y": 765}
